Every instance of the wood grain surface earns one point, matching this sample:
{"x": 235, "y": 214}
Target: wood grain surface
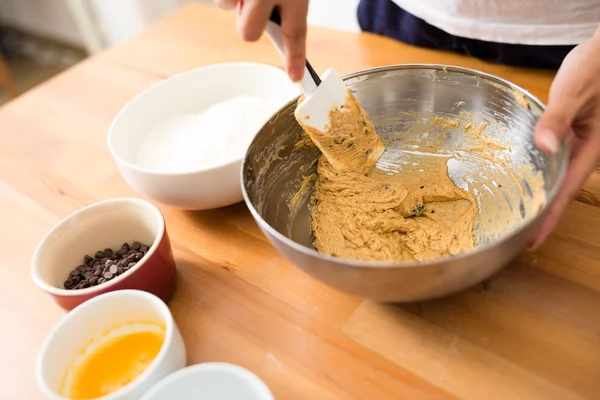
{"x": 531, "y": 332}
{"x": 7, "y": 82}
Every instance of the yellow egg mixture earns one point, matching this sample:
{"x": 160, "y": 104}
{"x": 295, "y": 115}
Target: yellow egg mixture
{"x": 114, "y": 364}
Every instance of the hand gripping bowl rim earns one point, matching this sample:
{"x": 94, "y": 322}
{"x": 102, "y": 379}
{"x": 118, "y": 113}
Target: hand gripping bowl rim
{"x": 412, "y": 263}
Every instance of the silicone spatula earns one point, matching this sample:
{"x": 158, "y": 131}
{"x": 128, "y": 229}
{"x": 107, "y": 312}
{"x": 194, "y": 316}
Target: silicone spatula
{"x": 321, "y": 95}
{"x": 356, "y": 146}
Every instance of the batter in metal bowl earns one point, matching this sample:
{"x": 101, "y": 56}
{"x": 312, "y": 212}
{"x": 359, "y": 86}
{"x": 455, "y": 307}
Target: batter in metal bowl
{"x": 362, "y": 212}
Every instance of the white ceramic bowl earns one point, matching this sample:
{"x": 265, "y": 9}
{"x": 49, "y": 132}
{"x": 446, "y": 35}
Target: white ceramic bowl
{"x": 90, "y": 321}
{"x": 192, "y": 92}
{"x": 210, "y": 381}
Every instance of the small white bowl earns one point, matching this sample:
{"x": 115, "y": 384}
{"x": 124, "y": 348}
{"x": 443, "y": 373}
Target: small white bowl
{"x": 192, "y": 92}
{"x": 210, "y": 381}
{"x": 90, "y": 321}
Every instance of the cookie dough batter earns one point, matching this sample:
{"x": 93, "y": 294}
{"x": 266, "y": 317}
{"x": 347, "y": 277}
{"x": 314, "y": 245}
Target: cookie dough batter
{"x": 361, "y": 212}
{"x": 350, "y": 142}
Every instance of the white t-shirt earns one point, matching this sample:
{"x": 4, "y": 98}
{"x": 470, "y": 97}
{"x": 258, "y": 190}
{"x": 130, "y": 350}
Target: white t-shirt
{"x": 535, "y": 22}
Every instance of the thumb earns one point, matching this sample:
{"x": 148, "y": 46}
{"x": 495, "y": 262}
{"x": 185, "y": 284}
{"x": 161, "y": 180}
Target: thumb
{"x": 555, "y": 123}
{"x": 554, "y": 126}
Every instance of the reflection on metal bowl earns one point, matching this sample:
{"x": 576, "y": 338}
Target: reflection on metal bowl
{"x": 483, "y": 124}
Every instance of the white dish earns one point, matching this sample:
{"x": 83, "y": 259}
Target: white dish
{"x": 210, "y": 381}
{"x": 188, "y": 93}
{"x": 90, "y": 321}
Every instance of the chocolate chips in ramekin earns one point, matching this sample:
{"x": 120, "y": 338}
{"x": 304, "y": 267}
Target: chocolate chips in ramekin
{"x": 105, "y": 265}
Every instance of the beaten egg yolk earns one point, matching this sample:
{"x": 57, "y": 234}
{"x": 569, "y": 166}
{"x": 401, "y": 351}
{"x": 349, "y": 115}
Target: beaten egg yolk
{"x": 114, "y": 364}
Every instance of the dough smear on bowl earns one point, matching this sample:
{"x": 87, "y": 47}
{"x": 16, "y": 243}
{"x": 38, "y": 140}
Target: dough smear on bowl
{"x": 362, "y": 212}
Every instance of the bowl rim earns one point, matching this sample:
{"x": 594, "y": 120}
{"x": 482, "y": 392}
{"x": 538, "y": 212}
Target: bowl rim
{"x": 37, "y": 254}
{"x": 355, "y": 263}
{"x": 240, "y": 372}
{"x": 168, "y": 81}
{"x": 81, "y": 310}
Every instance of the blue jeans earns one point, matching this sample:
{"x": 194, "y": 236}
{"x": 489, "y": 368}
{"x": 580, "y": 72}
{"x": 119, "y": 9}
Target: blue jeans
{"x": 384, "y": 17}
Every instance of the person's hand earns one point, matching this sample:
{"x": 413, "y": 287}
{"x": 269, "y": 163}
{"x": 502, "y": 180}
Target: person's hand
{"x": 572, "y": 115}
{"x": 253, "y": 16}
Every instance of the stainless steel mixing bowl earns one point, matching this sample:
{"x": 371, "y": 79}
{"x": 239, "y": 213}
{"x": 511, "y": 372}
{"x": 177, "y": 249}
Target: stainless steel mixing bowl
{"x": 396, "y": 98}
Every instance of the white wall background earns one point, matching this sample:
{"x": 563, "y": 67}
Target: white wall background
{"x": 43, "y": 17}
{"x": 116, "y": 20}
{"x": 335, "y": 14}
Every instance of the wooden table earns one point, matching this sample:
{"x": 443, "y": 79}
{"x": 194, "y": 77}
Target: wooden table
{"x": 532, "y": 332}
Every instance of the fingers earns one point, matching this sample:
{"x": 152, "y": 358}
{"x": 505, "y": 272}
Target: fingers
{"x": 293, "y": 28}
{"x": 579, "y": 170}
{"x": 253, "y": 17}
{"x": 568, "y": 94}
{"x": 226, "y": 4}
{"x": 555, "y": 124}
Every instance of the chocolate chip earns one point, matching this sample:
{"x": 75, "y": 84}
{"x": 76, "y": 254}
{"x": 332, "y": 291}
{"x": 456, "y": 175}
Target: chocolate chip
{"x": 104, "y": 266}
{"x": 422, "y": 187}
{"x": 417, "y": 210}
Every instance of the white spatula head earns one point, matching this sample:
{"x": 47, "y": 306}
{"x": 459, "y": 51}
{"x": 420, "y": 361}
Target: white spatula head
{"x": 314, "y": 108}
{"x": 339, "y": 127}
